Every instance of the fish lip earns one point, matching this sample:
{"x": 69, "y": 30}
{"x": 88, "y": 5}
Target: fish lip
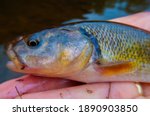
{"x": 15, "y": 59}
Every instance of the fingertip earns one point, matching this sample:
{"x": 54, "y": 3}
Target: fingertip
{"x": 123, "y": 90}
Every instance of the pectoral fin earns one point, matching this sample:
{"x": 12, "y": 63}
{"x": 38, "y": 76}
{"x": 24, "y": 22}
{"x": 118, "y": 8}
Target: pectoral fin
{"x": 111, "y": 69}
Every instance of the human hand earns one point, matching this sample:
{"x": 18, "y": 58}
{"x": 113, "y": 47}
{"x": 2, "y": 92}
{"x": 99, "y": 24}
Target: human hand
{"x": 40, "y": 87}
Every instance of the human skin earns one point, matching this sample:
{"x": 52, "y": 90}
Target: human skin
{"x": 40, "y": 87}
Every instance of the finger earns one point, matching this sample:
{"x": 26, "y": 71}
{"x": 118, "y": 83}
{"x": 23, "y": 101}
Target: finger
{"x": 121, "y": 90}
{"x": 140, "y": 20}
{"x": 146, "y": 89}
{"x": 87, "y": 91}
{"x": 28, "y": 84}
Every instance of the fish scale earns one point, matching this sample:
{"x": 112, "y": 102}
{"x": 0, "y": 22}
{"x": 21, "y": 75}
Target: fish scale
{"x": 119, "y": 42}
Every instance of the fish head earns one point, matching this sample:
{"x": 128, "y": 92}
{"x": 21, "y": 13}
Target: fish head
{"x": 52, "y": 52}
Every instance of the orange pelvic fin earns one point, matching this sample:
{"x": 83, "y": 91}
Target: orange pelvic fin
{"x": 111, "y": 69}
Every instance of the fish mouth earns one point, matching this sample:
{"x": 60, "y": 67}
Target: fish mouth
{"x": 15, "y": 63}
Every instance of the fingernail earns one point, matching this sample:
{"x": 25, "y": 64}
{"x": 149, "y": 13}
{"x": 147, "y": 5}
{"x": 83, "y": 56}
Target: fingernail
{"x": 139, "y": 88}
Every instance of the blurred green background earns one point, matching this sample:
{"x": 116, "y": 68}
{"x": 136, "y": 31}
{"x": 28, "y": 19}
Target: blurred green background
{"x": 18, "y": 17}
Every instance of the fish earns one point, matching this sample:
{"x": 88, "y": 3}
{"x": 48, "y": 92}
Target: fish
{"x": 88, "y": 51}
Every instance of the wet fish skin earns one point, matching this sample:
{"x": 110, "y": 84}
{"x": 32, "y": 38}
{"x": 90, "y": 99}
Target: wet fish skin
{"x": 117, "y": 50}
{"x": 119, "y": 42}
{"x": 59, "y": 53}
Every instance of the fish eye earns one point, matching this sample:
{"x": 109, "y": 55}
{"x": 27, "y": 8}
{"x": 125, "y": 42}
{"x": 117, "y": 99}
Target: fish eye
{"x": 33, "y": 43}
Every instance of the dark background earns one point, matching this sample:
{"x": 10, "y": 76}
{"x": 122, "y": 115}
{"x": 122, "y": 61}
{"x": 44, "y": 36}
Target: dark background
{"x": 19, "y": 17}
